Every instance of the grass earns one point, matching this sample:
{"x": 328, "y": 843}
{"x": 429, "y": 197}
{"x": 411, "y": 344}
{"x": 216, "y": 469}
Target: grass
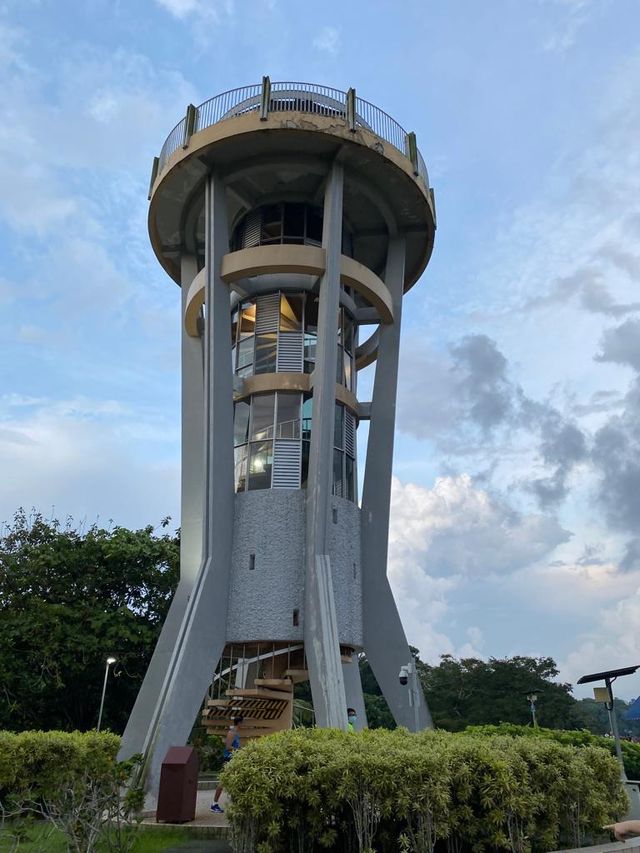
{"x": 39, "y": 837}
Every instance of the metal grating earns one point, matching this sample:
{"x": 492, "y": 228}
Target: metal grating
{"x": 287, "y": 463}
{"x": 290, "y": 352}
{"x": 267, "y": 313}
{"x": 350, "y": 434}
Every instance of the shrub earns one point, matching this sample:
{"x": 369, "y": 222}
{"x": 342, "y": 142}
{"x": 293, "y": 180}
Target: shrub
{"x": 315, "y": 789}
{"x": 581, "y": 737}
{"x": 74, "y": 781}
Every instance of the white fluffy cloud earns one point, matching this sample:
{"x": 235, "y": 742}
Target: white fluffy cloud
{"x": 456, "y": 529}
{"x": 82, "y": 453}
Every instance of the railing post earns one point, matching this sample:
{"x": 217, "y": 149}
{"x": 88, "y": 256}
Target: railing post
{"x": 351, "y": 110}
{"x": 412, "y": 151}
{"x": 189, "y": 124}
{"x": 265, "y": 99}
{"x": 154, "y": 175}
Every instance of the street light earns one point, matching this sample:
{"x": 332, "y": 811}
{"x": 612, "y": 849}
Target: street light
{"x": 609, "y": 676}
{"x": 532, "y": 698}
{"x": 409, "y": 675}
{"x": 109, "y": 661}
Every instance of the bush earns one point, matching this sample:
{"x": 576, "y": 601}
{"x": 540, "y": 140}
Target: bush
{"x": 314, "y": 789}
{"x": 74, "y": 781}
{"x": 582, "y": 737}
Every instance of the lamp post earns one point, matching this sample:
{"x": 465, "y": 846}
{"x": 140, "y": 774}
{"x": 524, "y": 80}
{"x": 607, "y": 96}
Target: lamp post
{"x": 108, "y": 663}
{"x": 532, "y": 698}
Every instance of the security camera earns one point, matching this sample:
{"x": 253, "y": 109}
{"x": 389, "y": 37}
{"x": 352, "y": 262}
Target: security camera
{"x": 403, "y": 675}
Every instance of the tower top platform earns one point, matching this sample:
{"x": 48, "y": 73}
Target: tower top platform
{"x": 279, "y": 139}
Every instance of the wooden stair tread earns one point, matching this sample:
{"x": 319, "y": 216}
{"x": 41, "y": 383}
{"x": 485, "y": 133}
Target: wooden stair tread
{"x": 283, "y": 684}
{"x": 297, "y": 675}
{"x": 257, "y": 693}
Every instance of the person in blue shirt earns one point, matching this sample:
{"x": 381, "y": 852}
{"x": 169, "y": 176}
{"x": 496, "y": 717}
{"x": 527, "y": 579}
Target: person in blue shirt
{"x": 231, "y": 745}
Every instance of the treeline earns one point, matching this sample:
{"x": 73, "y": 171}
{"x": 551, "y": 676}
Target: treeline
{"x": 69, "y": 597}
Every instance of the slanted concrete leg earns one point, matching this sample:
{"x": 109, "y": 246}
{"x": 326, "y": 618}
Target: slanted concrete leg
{"x": 387, "y": 650}
{"x": 353, "y": 691}
{"x": 202, "y": 634}
{"x": 320, "y": 624}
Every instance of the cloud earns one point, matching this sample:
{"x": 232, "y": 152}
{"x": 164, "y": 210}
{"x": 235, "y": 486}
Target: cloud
{"x": 445, "y": 538}
{"x": 470, "y": 407}
{"x": 611, "y": 641}
{"x": 328, "y": 40}
{"x": 208, "y": 9}
{"x": 572, "y": 16}
{"x": 457, "y": 529}
{"x": 622, "y": 344}
{"x": 88, "y": 456}
{"x": 616, "y": 456}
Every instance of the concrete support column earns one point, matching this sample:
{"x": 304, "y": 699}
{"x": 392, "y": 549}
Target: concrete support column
{"x": 193, "y": 441}
{"x": 191, "y": 526}
{"x": 202, "y": 634}
{"x": 353, "y": 691}
{"x": 320, "y": 624}
{"x": 387, "y": 650}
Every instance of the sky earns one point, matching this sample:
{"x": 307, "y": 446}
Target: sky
{"x": 516, "y": 499}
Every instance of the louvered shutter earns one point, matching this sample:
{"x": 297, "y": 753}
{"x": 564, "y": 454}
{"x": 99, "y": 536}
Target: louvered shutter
{"x": 287, "y": 463}
{"x": 267, "y": 313}
{"x": 290, "y": 352}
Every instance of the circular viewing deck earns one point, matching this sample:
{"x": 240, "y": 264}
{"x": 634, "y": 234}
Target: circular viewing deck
{"x": 293, "y": 97}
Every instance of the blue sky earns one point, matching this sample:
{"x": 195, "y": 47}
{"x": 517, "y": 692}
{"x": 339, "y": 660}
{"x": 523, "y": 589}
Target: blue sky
{"x": 516, "y": 509}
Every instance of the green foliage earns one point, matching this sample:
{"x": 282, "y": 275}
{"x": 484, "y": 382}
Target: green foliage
{"x": 630, "y": 751}
{"x": 475, "y": 692}
{"x": 67, "y": 600}
{"x": 33, "y": 763}
{"x": 73, "y": 781}
{"x": 387, "y": 790}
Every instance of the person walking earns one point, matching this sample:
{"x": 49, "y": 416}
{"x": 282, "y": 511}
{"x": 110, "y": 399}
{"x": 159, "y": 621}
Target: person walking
{"x": 231, "y": 745}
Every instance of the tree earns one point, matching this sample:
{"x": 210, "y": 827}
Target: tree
{"x": 476, "y": 692}
{"x": 68, "y": 599}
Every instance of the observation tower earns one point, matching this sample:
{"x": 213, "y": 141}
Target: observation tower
{"x": 293, "y": 217}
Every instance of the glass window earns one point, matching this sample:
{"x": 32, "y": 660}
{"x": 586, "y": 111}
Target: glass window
{"x": 314, "y": 225}
{"x": 340, "y": 367}
{"x": 234, "y": 327}
{"x": 245, "y": 352}
{"x": 266, "y": 348}
{"x": 350, "y": 479}
{"x": 305, "y": 463}
{"x": 241, "y": 422}
{"x": 262, "y": 416}
{"x": 288, "y": 416}
{"x": 271, "y": 224}
{"x": 294, "y": 222}
{"x": 310, "y": 342}
{"x": 347, "y": 370}
{"x": 290, "y": 313}
{"x": 247, "y": 319}
{"x": 349, "y": 334}
{"x": 337, "y": 472}
{"x": 260, "y": 463}
{"x": 311, "y": 314}
{"x": 241, "y": 468}
{"x": 338, "y": 428}
{"x": 307, "y": 408}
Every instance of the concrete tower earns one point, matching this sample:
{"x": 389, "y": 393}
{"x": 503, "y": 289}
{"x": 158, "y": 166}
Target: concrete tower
{"x": 291, "y": 215}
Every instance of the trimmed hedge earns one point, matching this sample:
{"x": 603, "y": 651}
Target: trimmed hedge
{"x": 33, "y": 764}
{"x": 581, "y": 737}
{"x": 314, "y": 789}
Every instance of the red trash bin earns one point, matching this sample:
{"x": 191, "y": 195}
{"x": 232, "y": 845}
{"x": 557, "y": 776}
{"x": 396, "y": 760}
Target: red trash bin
{"x": 178, "y": 785}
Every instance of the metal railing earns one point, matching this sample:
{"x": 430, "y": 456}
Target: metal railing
{"x": 292, "y": 97}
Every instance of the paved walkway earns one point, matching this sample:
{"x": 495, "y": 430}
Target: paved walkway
{"x": 204, "y": 816}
